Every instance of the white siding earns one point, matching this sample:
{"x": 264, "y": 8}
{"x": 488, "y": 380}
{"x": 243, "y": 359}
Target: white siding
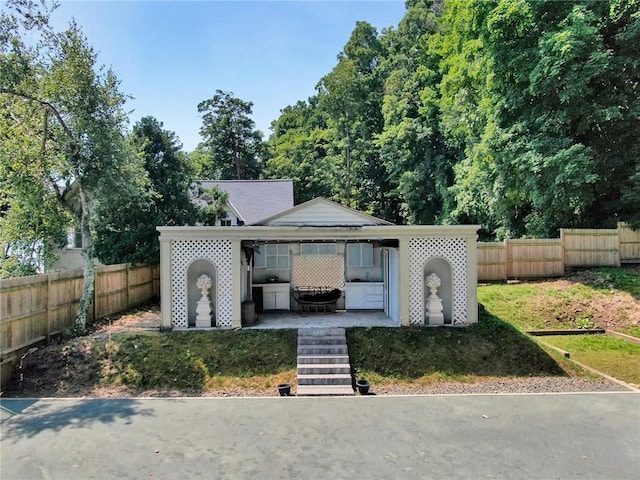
{"x": 320, "y": 214}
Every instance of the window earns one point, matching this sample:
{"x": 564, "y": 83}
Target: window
{"x": 74, "y": 238}
{"x": 225, "y": 222}
{"x": 318, "y": 249}
{"x": 258, "y": 257}
{"x": 359, "y": 255}
{"x": 272, "y": 256}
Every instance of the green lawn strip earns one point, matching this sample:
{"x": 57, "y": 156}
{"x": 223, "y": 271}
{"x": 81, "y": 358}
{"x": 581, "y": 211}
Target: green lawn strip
{"x": 633, "y": 331}
{"x": 491, "y": 348}
{"x": 613, "y": 356}
{"x": 198, "y": 360}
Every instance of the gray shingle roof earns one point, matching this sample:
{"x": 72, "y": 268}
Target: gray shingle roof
{"x": 256, "y": 199}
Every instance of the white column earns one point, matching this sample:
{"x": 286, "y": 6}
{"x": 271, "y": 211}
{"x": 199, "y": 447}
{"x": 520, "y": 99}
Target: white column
{"x": 166, "y": 301}
{"x": 405, "y": 282}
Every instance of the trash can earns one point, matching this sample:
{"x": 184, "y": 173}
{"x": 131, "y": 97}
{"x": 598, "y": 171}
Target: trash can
{"x": 248, "y": 313}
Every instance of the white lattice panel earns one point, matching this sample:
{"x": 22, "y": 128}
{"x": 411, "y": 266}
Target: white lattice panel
{"x": 318, "y": 271}
{"x": 454, "y": 251}
{"x": 183, "y": 254}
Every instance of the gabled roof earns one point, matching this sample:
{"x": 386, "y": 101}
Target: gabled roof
{"x": 253, "y": 200}
{"x": 321, "y": 212}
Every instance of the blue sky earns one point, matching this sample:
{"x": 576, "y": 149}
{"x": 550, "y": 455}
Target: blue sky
{"x": 170, "y": 55}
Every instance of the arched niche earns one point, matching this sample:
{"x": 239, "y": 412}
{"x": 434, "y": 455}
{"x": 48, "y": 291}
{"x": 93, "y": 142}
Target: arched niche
{"x": 197, "y": 268}
{"x": 442, "y": 269}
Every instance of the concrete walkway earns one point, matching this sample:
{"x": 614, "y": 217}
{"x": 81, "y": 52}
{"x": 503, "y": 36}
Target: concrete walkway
{"x": 586, "y": 436}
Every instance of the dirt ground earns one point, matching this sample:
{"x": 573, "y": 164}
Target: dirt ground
{"x": 609, "y": 309}
{"x": 66, "y": 367}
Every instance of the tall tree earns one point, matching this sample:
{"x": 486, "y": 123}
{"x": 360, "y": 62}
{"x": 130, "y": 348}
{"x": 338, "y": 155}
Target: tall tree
{"x": 417, "y": 157}
{"x": 126, "y": 229}
{"x": 299, "y": 148}
{"x": 78, "y": 153}
{"x": 352, "y": 96}
{"x": 235, "y": 147}
{"x": 543, "y": 98}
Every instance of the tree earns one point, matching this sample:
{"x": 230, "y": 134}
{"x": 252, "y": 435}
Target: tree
{"x": 235, "y": 147}
{"x": 214, "y": 205}
{"x": 77, "y": 153}
{"x": 126, "y": 230}
{"x": 299, "y": 148}
{"x": 418, "y": 160}
{"x": 543, "y": 99}
{"x": 352, "y": 94}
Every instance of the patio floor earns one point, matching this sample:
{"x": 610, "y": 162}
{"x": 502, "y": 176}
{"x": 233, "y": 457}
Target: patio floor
{"x": 341, "y": 318}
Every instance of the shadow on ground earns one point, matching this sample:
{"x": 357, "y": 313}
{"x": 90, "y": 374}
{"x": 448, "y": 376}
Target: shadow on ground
{"x": 28, "y": 417}
{"x": 491, "y": 347}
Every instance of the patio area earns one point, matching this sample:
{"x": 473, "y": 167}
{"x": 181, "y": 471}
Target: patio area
{"x": 341, "y": 318}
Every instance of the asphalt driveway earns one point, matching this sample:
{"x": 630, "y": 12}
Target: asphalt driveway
{"x": 564, "y": 436}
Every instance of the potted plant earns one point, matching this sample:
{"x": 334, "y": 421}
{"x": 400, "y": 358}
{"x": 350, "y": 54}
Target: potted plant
{"x": 284, "y": 389}
{"x": 363, "y": 386}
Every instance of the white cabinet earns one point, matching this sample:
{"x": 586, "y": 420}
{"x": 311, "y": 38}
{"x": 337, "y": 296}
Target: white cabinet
{"x": 364, "y": 296}
{"x": 276, "y": 297}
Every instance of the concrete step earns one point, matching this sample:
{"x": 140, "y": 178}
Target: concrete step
{"x": 324, "y": 368}
{"x": 322, "y": 332}
{"x": 328, "y": 358}
{"x": 322, "y": 349}
{"x": 319, "y": 379}
{"x": 321, "y": 340}
{"x": 324, "y": 390}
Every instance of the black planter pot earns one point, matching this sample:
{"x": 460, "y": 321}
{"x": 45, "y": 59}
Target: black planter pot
{"x": 284, "y": 389}
{"x": 363, "y": 386}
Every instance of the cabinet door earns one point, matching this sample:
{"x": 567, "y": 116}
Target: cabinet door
{"x": 269, "y": 300}
{"x": 282, "y": 301}
{"x": 354, "y": 297}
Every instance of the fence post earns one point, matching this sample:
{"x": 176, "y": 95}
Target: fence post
{"x": 128, "y": 285}
{"x": 507, "y": 272}
{"x": 564, "y": 258}
{"x": 48, "y": 306}
{"x": 96, "y": 275}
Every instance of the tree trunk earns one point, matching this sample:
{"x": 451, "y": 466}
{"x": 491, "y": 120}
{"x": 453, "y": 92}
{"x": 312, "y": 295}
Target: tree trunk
{"x": 348, "y": 173}
{"x": 88, "y": 285}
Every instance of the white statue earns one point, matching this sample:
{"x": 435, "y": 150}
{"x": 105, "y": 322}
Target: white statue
{"x": 203, "y": 310}
{"x": 434, "y": 303}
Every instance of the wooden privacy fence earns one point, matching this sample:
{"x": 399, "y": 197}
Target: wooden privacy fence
{"x": 34, "y": 308}
{"x": 575, "y": 248}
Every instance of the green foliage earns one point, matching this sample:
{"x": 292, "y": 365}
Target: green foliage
{"x": 351, "y": 95}
{"x": 299, "y": 149}
{"x": 235, "y": 148}
{"x": 62, "y": 133}
{"x": 215, "y": 205}
{"x": 125, "y": 225}
{"x": 552, "y": 84}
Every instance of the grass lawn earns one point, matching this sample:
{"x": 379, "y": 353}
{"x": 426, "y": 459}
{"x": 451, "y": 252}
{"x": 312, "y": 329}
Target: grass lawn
{"x": 491, "y": 348}
{"x": 260, "y": 359}
{"x": 611, "y": 355}
{"x": 199, "y": 360}
{"x": 603, "y": 297}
